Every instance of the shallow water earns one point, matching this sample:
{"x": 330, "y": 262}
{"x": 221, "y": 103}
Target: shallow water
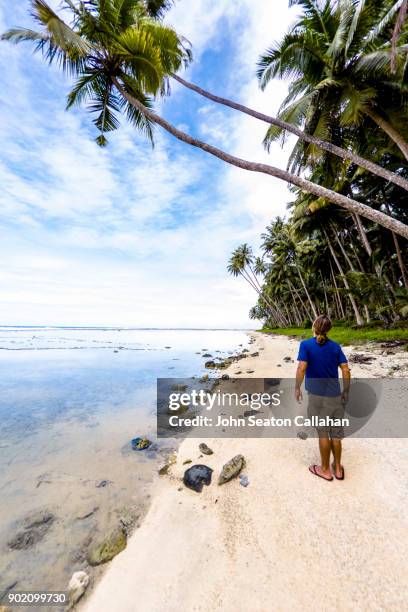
{"x": 70, "y": 402}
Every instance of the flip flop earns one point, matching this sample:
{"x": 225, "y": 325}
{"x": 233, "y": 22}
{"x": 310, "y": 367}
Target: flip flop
{"x": 312, "y": 470}
{"x": 334, "y": 472}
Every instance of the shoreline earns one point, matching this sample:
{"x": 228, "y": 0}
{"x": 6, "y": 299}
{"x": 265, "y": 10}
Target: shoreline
{"x": 221, "y": 548}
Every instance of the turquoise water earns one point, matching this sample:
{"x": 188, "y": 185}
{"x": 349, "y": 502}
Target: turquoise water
{"x": 70, "y": 401}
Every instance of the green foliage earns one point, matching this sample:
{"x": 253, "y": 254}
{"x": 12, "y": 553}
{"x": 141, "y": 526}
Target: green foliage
{"x": 338, "y": 59}
{"x": 345, "y": 335}
{"x": 109, "y": 41}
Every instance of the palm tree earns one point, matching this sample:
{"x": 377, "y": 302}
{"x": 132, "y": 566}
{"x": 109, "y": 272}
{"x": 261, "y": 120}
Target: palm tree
{"x": 339, "y": 55}
{"x": 240, "y": 263}
{"x": 122, "y": 58}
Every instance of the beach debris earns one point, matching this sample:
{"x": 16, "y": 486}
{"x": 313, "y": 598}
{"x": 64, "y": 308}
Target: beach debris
{"x": 198, "y": 475}
{"x": 187, "y": 461}
{"x": 139, "y": 444}
{"x": 236, "y": 373}
{"x": 360, "y": 358}
{"x": 206, "y": 450}
{"x": 249, "y": 413}
{"x": 231, "y": 469}
{"x": 170, "y": 460}
{"x": 250, "y": 371}
{"x": 302, "y": 435}
{"x": 243, "y": 480}
{"x": 35, "y": 527}
{"x": 256, "y": 354}
{"x": 225, "y": 377}
{"x": 102, "y": 483}
{"x": 87, "y": 513}
{"x": 107, "y": 547}
{"x": 207, "y": 355}
{"x": 287, "y": 359}
{"x": 43, "y": 479}
{"x": 77, "y": 586}
{"x": 393, "y": 343}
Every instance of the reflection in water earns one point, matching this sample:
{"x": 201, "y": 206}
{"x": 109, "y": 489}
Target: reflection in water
{"x": 70, "y": 402}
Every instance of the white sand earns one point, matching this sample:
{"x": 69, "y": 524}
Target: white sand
{"x": 289, "y": 541}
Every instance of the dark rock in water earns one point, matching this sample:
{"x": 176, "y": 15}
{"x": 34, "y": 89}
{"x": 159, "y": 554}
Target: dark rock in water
{"x": 207, "y": 355}
{"x": 206, "y": 450}
{"x": 107, "y": 547}
{"x": 204, "y": 378}
{"x": 197, "y": 476}
{"x": 139, "y": 444}
{"x": 35, "y": 526}
{"x": 167, "y": 347}
{"x": 245, "y": 350}
{"x": 231, "y": 469}
{"x": 210, "y": 364}
{"x": 225, "y": 377}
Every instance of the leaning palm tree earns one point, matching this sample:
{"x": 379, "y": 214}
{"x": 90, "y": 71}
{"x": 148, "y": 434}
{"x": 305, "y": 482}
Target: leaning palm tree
{"x": 122, "y": 59}
{"x": 339, "y": 56}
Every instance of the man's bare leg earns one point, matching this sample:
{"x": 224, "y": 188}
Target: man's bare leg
{"x": 336, "y": 450}
{"x": 325, "y": 450}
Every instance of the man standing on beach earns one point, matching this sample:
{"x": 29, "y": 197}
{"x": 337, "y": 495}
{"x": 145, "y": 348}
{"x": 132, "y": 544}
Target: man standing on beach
{"x": 319, "y": 359}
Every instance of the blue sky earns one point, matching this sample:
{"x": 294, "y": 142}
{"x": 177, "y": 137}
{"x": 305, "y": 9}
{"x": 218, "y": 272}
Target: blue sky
{"x": 128, "y": 235}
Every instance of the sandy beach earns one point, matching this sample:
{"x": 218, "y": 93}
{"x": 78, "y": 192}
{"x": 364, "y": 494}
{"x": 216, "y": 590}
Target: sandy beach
{"x": 288, "y": 541}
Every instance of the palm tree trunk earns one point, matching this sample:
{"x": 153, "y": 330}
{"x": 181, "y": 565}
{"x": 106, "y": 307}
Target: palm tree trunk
{"x": 302, "y": 302}
{"x": 377, "y": 268}
{"x": 321, "y": 192}
{"x": 337, "y": 294}
{"x": 390, "y": 131}
{"x": 399, "y": 255}
{"x": 312, "y": 304}
{"x": 359, "y": 318}
{"x": 295, "y": 306}
{"x": 352, "y": 268}
{"x": 322, "y": 144}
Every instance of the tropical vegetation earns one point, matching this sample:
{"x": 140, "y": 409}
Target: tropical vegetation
{"x": 345, "y": 88}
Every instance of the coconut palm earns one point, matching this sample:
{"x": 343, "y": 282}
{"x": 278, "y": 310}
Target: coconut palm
{"x": 121, "y": 59}
{"x": 338, "y": 56}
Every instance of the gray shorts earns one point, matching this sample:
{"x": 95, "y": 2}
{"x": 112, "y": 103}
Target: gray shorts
{"x": 322, "y": 407}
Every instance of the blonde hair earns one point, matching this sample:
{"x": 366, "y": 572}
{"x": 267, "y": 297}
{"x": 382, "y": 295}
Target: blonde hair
{"x": 321, "y": 327}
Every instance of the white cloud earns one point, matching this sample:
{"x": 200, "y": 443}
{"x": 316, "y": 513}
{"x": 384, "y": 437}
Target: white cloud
{"x": 128, "y": 235}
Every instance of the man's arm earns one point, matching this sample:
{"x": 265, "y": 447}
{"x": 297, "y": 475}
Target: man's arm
{"x": 300, "y": 374}
{"x": 345, "y": 371}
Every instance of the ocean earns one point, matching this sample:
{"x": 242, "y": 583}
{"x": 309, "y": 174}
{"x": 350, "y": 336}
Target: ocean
{"x": 71, "y": 399}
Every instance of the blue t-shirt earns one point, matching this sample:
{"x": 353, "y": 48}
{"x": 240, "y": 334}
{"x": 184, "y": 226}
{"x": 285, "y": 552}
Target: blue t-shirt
{"x": 323, "y": 360}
